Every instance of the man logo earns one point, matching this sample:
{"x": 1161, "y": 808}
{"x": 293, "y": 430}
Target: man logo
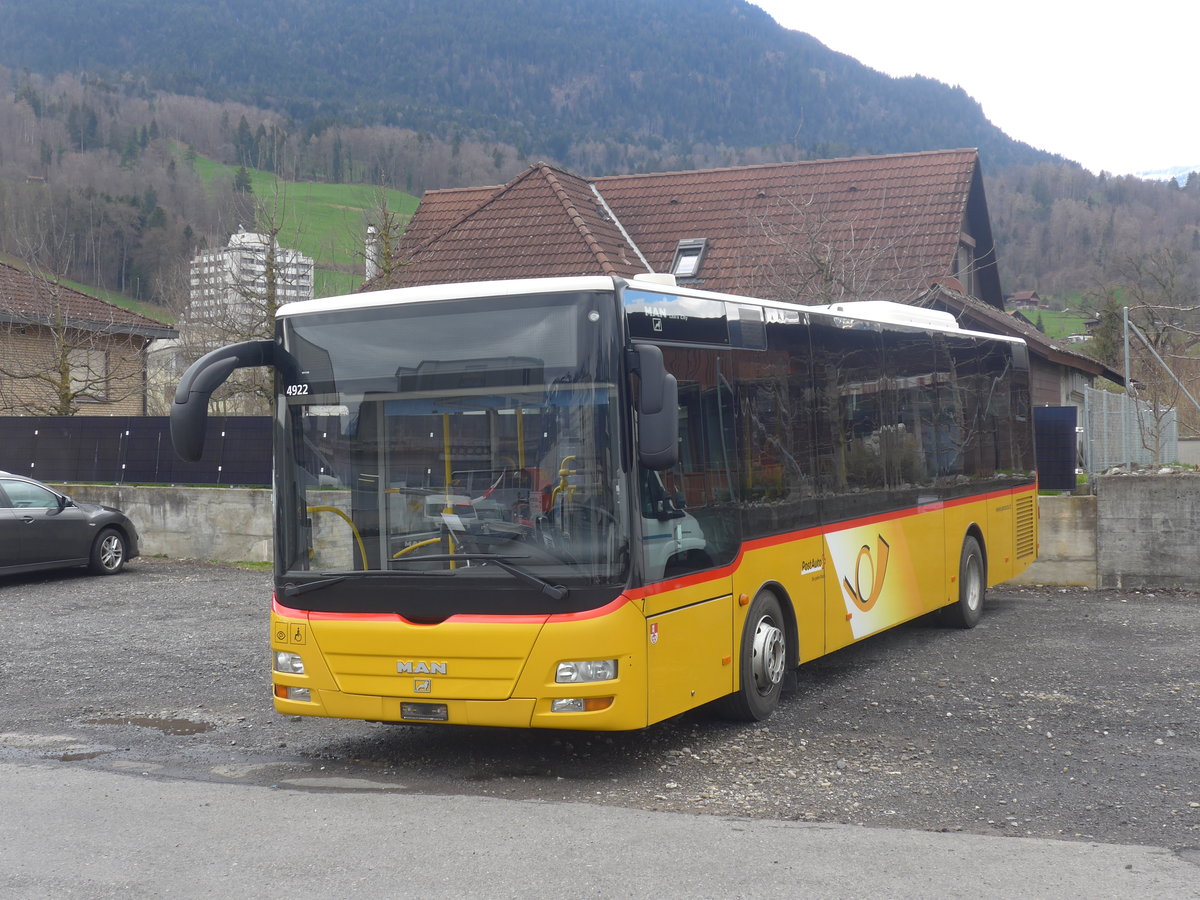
{"x": 422, "y": 686}
{"x": 420, "y": 667}
{"x": 876, "y": 572}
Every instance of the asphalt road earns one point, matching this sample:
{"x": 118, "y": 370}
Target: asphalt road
{"x": 1066, "y": 714}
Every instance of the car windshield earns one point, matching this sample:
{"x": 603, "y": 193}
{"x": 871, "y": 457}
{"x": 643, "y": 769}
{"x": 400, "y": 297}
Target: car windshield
{"x": 477, "y": 438}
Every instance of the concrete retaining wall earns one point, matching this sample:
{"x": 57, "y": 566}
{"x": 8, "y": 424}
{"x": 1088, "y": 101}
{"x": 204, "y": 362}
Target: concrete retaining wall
{"x": 229, "y": 524}
{"x": 1147, "y": 534}
{"x": 1137, "y": 532}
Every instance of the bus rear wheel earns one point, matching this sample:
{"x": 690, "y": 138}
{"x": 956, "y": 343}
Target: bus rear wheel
{"x": 972, "y": 583}
{"x": 763, "y": 665}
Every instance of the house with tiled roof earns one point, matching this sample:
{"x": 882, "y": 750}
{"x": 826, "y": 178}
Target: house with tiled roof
{"x": 912, "y": 228}
{"x": 63, "y": 352}
{"x": 1023, "y": 300}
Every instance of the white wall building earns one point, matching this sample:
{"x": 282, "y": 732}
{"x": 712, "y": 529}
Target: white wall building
{"x": 234, "y": 279}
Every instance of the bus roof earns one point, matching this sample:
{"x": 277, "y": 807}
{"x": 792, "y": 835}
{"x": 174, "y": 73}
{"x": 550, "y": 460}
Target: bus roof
{"x": 882, "y": 312}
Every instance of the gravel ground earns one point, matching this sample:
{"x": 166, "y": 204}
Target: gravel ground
{"x": 1066, "y": 713}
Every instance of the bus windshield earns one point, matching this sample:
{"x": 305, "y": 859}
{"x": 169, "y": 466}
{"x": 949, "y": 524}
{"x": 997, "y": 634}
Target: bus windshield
{"x": 473, "y": 438}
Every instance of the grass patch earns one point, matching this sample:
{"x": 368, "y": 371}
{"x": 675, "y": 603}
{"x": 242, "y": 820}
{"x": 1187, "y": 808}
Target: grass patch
{"x": 324, "y": 221}
{"x": 1058, "y": 324}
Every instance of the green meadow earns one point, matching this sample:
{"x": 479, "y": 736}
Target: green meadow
{"x": 1059, "y": 324}
{"x": 325, "y": 221}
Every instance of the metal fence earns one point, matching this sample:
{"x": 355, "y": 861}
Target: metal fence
{"x": 1119, "y": 430}
{"x": 134, "y": 450}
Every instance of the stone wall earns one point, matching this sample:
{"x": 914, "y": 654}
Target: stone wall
{"x": 1146, "y": 536}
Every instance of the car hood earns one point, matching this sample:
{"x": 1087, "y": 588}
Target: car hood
{"x": 96, "y": 507}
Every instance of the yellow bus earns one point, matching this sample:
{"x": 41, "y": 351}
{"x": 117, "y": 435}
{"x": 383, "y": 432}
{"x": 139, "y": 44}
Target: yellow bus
{"x": 595, "y": 503}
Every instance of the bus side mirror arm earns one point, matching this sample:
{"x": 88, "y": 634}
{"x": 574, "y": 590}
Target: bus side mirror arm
{"x": 189, "y": 411}
{"x": 657, "y": 409}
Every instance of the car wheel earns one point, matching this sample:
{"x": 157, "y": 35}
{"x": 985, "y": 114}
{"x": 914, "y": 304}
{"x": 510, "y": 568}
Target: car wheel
{"x": 108, "y": 553}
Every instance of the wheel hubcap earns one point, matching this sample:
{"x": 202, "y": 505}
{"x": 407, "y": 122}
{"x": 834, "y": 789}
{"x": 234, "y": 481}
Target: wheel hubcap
{"x": 110, "y": 553}
{"x": 974, "y": 585}
{"x": 768, "y": 655}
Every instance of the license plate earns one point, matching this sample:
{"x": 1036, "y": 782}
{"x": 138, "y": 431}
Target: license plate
{"x": 425, "y": 712}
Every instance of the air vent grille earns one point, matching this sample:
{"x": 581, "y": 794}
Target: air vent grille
{"x": 1026, "y": 545}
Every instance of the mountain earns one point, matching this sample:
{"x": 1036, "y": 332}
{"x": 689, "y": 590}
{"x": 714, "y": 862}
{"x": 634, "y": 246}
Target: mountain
{"x": 578, "y": 81}
{"x": 107, "y": 107}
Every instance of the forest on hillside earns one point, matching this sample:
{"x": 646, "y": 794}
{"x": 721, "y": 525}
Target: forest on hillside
{"x": 601, "y": 86}
{"x": 97, "y": 179}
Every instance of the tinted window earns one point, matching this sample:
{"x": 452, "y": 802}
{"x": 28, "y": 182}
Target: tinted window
{"x": 984, "y": 401}
{"x": 775, "y": 404}
{"x": 23, "y": 495}
{"x": 700, "y": 493}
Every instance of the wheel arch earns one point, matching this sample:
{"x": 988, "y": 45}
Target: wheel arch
{"x": 973, "y": 530}
{"x": 119, "y": 529}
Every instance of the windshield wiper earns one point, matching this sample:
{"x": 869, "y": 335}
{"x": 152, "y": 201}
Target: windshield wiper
{"x": 502, "y": 561}
{"x": 292, "y": 589}
{"x": 295, "y": 590}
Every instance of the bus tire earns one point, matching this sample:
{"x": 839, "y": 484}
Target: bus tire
{"x": 972, "y": 584}
{"x": 764, "y": 656}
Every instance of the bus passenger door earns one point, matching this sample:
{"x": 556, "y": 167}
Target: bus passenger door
{"x": 690, "y": 533}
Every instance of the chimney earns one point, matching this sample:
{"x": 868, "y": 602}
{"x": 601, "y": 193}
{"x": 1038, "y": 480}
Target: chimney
{"x": 371, "y": 256}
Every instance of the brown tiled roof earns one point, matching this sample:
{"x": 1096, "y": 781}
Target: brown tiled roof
{"x": 546, "y": 222}
{"x": 27, "y": 298}
{"x": 883, "y": 227}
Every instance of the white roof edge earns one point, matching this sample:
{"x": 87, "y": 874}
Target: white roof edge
{"x": 458, "y": 291}
{"x": 891, "y": 313}
{"x": 885, "y": 312}
{"x": 888, "y": 312}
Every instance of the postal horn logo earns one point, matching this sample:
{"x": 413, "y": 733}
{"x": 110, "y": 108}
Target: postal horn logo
{"x": 875, "y": 571}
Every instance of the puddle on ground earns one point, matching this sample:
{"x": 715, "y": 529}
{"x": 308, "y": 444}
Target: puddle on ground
{"x": 166, "y": 726}
{"x": 76, "y": 757}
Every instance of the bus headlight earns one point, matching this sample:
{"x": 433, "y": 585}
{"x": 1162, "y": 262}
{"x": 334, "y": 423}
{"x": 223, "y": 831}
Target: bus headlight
{"x": 291, "y": 663}
{"x": 586, "y": 670}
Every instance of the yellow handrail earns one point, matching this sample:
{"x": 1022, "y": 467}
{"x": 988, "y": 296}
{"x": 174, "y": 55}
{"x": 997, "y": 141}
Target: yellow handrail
{"x": 426, "y": 543}
{"x": 564, "y": 472}
{"x": 362, "y": 550}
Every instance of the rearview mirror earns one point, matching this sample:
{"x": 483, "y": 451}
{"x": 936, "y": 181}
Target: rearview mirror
{"x": 189, "y": 412}
{"x": 657, "y": 409}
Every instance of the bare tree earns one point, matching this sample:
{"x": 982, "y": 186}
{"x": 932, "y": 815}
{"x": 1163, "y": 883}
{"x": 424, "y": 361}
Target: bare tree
{"x": 801, "y": 249}
{"x": 1161, "y": 290}
{"x": 379, "y": 240}
{"x": 234, "y": 294}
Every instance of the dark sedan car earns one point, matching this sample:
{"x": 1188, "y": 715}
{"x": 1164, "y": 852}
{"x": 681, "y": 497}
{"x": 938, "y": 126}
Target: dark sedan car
{"x": 43, "y": 529}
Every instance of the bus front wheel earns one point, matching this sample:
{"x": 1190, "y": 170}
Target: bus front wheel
{"x": 972, "y": 584}
{"x": 763, "y": 662}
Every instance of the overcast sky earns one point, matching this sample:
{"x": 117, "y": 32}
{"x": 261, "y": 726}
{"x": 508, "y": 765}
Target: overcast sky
{"x": 1112, "y": 87}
